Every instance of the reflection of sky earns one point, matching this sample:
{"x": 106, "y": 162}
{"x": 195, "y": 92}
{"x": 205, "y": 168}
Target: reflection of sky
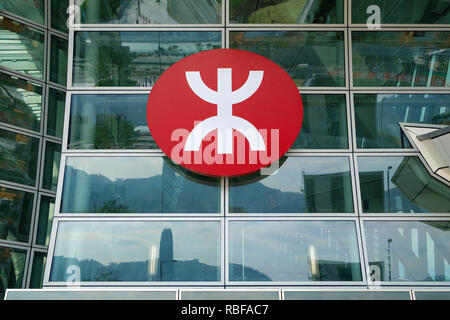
{"x": 109, "y": 242}
{"x": 279, "y": 248}
{"x": 289, "y": 178}
{"x": 115, "y": 168}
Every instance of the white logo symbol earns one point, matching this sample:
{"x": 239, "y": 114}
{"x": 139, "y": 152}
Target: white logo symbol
{"x": 224, "y": 122}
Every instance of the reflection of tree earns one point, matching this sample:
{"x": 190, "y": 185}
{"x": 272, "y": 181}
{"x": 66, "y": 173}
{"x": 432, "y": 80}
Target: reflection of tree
{"x": 113, "y": 206}
{"x": 114, "y": 132}
{"x": 114, "y": 65}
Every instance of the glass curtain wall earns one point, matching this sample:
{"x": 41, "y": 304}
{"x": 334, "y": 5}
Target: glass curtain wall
{"x": 33, "y": 72}
{"x": 351, "y": 204}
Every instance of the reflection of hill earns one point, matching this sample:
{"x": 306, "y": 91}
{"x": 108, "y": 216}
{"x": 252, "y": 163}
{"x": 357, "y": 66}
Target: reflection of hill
{"x": 188, "y": 270}
{"x": 96, "y": 193}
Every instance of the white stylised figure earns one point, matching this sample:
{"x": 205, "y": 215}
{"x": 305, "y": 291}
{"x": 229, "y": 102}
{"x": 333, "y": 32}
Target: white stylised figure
{"x": 224, "y": 122}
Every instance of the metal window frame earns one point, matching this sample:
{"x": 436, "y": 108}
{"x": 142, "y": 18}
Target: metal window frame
{"x": 397, "y": 283}
{"x": 51, "y": 251}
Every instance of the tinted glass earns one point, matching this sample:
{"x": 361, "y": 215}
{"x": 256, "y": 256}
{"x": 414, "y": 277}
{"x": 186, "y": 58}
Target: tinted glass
{"x": 230, "y": 295}
{"x": 51, "y": 165}
{"x": 12, "y": 267}
{"x": 408, "y": 250}
{"x": 55, "y": 112}
{"x": 150, "y": 12}
{"x": 312, "y": 59}
{"x": 16, "y": 208}
{"x": 137, "y": 251}
{"x": 134, "y": 59}
{"x": 293, "y": 251}
{"x": 32, "y": 10}
{"x": 45, "y": 219}
{"x": 22, "y": 47}
{"x": 58, "y": 60}
{"x": 404, "y": 11}
{"x": 18, "y": 157}
{"x": 324, "y": 122}
{"x": 301, "y": 185}
{"x": 400, "y": 185}
{"x": 136, "y": 184}
{"x": 377, "y": 116}
{"x": 109, "y": 121}
{"x": 347, "y": 295}
{"x": 59, "y": 15}
{"x": 286, "y": 11}
{"x": 400, "y": 58}
{"x": 432, "y": 295}
{"x": 20, "y": 102}
{"x": 37, "y": 271}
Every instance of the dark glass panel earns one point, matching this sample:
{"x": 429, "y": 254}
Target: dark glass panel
{"x": 58, "y": 60}
{"x": 59, "y": 15}
{"x": 347, "y": 295}
{"x": 55, "y": 112}
{"x": 45, "y": 219}
{"x": 144, "y": 251}
{"x": 37, "y": 271}
{"x": 311, "y": 58}
{"x": 51, "y": 166}
{"x": 12, "y": 268}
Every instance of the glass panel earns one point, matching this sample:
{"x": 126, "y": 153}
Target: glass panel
{"x": 31, "y": 10}
{"x": 51, "y": 166}
{"x": 230, "y": 295}
{"x": 20, "y": 102}
{"x": 58, "y": 60}
{"x": 404, "y": 11}
{"x": 400, "y": 59}
{"x": 93, "y": 294}
{"x": 12, "y": 268}
{"x": 59, "y": 15}
{"x": 134, "y": 58}
{"x": 324, "y": 122}
{"x": 16, "y": 209}
{"x": 301, "y": 185}
{"x": 311, "y": 58}
{"x": 347, "y": 295}
{"x": 150, "y": 12}
{"x": 45, "y": 220}
{"x": 136, "y": 185}
{"x": 18, "y": 157}
{"x": 22, "y": 48}
{"x": 109, "y": 121}
{"x": 408, "y": 250}
{"x": 377, "y": 116}
{"x": 400, "y": 185}
{"x": 432, "y": 295}
{"x": 37, "y": 273}
{"x": 55, "y": 112}
{"x": 293, "y": 251}
{"x": 287, "y": 11}
{"x": 146, "y": 251}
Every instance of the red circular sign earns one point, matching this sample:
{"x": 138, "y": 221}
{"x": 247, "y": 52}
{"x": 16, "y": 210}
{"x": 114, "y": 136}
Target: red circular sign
{"x": 224, "y": 112}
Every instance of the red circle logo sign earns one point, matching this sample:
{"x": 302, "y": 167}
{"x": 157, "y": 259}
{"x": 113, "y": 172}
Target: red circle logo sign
{"x": 224, "y": 112}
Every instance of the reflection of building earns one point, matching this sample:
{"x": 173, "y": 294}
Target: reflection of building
{"x": 165, "y": 264}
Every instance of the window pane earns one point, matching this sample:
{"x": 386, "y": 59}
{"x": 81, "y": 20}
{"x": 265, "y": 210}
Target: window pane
{"x": 400, "y": 185}
{"x": 347, "y": 295}
{"x": 51, "y": 166}
{"x": 19, "y": 156}
{"x": 22, "y": 47}
{"x": 59, "y": 15}
{"x": 16, "y": 209}
{"x": 58, "y": 60}
{"x": 229, "y": 295}
{"x": 301, "y": 185}
{"x": 37, "y": 273}
{"x": 400, "y": 58}
{"x": 136, "y": 185}
{"x": 150, "y": 12}
{"x": 408, "y": 250}
{"x": 147, "y": 251}
{"x": 45, "y": 220}
{"x": 286, "y": 11}
{"x": 12, "y": 267}
{"x": 20, "y": 102}
{"x": 55, "y": 112}
{"x": 324, "y": 122}
{"x": 404, "y": 11}
{"x": 134, "y": 58}
{"x": 109, "y": 121}
{"x": 377, "y": 116}
{"x": 31, "y": 10}
{"x": 312, "y": 59}
{"x": 293, "y": 251}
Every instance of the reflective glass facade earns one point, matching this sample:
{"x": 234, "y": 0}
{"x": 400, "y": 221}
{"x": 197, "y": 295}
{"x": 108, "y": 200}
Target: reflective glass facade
{"x": 352, "y": 203}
